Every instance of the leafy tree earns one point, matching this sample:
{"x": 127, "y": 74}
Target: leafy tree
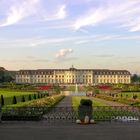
{"x": 2, "y": 71}
{"x": 5, "y": 76}
{"x": 135, "y": 78}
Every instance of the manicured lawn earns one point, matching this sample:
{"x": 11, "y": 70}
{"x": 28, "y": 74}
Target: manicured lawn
{"x": 8, "y": 95}
{"x": 101, "y": 111}
{"x": 76, "y": 101}
{"x": 49, "y": 101}
{"x": 14, "y": 93}
{"x": 129, "y": 94}
{"x": 30, "y": 110}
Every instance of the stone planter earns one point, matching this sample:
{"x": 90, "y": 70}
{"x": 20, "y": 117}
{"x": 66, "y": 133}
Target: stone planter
{"x": 85, "y": 110}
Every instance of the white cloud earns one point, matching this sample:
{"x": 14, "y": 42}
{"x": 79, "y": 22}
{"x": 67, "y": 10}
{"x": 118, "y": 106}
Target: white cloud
{"x": 46, "y": 42}
{"x": 92, "y": 18}
{"x": 61, "y": 12}
{"x": 63, "y": 53}
{"x": 57, "y": 14}
{"x": 123, "y": 13}
{"x": 135, "y": 28}
{"x": 81, "y": 42}
{"x": 20, "y": 10}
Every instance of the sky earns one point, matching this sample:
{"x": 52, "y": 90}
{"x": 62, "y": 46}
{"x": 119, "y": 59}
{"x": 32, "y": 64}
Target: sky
{"x": 96, "y": 34}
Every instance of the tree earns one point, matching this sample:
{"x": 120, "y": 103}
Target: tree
{"x": 2, "y": 71}
{"x": 135, "y": 78}
{"x": 6, "y": 76}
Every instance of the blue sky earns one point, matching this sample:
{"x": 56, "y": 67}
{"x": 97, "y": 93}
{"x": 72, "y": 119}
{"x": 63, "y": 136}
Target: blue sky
{"x": 98, "y": 34}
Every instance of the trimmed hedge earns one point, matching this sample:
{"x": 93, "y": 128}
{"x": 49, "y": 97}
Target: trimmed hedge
{"x": 124, "y": 100}
{"x": 32, "y": 111}
{"x": 2, "y": 100}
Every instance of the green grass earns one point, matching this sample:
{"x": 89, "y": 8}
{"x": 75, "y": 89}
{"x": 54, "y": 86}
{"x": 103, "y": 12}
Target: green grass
{"x": 129, "y": 94}
{"x": 19, "y": 104}
{"x": 31, "y": 110}
{"x": 8, "y": 95}
{"x": 104, "y": 112}
{"x": 49, "y": 101}
{"x": 76, "y": 101}
{"x": 14, "y": 93}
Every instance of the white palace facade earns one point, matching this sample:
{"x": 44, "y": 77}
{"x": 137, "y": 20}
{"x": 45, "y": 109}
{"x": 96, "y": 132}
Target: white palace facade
{"x": 73, "y": 76}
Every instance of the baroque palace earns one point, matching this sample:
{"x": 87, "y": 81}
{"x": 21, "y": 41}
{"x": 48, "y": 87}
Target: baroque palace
{"x": 73, "y": 76}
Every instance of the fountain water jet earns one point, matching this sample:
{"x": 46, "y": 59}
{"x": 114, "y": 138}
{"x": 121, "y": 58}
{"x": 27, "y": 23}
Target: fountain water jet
{"x": 76, "y": 89}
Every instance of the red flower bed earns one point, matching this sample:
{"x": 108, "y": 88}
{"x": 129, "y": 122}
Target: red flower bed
{"x": 104, "y": 87}
{"x": 44, "y": 87}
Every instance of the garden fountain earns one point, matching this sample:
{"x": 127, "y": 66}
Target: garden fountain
{"x": 76, "y": 89}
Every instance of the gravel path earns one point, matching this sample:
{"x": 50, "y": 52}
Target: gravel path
{"x": 66, "y": 102}
{"x": 109, "y": 103}
{"x": 61, "y": 110}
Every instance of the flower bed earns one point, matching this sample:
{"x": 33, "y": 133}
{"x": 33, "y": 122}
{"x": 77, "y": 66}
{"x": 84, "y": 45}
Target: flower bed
{"x": 124, "y": 100}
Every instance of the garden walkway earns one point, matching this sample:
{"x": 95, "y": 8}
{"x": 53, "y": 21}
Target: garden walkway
{"x": 66, "y": 102}
{"x": 61, "y": 110}
{"x": 109, "y": 103}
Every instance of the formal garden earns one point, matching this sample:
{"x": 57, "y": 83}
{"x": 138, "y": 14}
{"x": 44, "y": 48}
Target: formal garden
{"x": 28, "y": 104}
{"x": 104, "y": 112}
{"x": 126, "y": 94}
{"x": 23, "y": 102}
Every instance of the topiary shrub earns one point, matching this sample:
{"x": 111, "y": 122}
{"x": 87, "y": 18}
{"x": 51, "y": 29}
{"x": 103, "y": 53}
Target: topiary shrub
{"x": 86, "y": 102}
{"x": 135, "y": 96}
{"x": 85, "y": 109}
{"x": 34, "y": 96}
{"x": 2, "y": 100}
{"x": 14, "y": 100}
{"x": 23, "y": 99}
{"x": 29, "y": 98}
{"x": 38, "y": 96}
